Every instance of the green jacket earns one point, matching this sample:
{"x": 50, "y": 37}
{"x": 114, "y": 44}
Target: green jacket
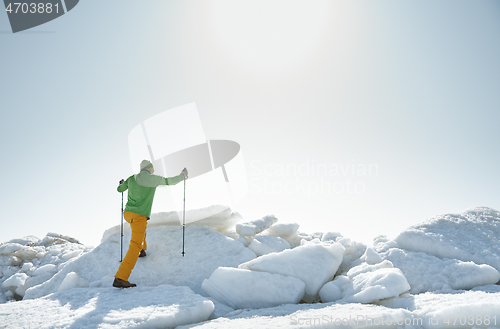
{"x": 141, "y": 190}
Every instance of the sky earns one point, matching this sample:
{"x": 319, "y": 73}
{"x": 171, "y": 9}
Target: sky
{"x": 352, "y": 116}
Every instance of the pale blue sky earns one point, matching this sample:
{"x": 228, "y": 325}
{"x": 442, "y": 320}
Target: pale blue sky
{"x": 410, "y": 87}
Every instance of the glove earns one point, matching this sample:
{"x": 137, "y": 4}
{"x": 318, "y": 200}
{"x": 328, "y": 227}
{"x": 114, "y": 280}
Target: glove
{"x": 122, "y": 181}
{"x": 185, "y": 173}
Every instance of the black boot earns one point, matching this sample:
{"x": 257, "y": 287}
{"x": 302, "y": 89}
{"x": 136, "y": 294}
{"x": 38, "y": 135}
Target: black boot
{"x": 143, "y": 253}
{"x": 119, "y": 283}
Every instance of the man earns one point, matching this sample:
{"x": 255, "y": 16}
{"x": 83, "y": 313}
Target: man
{"x": 141, "y": 191}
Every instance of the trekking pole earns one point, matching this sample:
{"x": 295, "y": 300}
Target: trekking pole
{"x": 121, "y": 235}
{"x": 184, "y": 217}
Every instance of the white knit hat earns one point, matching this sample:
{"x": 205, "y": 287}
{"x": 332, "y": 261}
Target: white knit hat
{"x": 146, "y": 164}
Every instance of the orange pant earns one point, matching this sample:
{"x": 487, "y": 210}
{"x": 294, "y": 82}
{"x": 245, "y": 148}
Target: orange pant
{"x": 138, "y": 225}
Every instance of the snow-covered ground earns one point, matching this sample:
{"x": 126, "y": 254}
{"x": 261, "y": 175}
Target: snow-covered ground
{"x": 259, "y": 273}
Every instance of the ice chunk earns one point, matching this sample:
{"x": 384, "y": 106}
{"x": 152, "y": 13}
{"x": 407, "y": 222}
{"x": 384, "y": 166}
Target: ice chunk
{"x": 371, "y": 286}
{"x": 367, "y": 283}
{"x": 71, "y": 254}
{"x": 330, "y": 236}
{"x": 256, "y": 226}
{"x": 240, "y": 288}
{"x": 59, "y": 238}
{"x": 283, "y": 230}
{"x": 371, "y": 256}
{"x": 314, "y": 264}
{"x": 9, "y": 248}
{"x": 27, "y": 240}
{"x": 72, "y": 280}
{"x": 45, "y": 269}
{"x": 263, "y": 245}
{"x": 332, "y": 291}
{"x": 243, "y": 240}
{"x": 221, "y": 309}
{"x": 27, "y": 266}
{"x": 15, "y": 281}
{"x": 352, "y": 255}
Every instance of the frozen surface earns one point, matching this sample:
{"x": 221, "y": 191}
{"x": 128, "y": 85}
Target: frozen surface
{"x": 241, "y": 289}
{"x": 70, "y": 284}
{"x": 267, "y": 244}
{"x": 472, "y": 235}
{"x": 161, "y": 306}
{"x": 314, "y": 264}
{"x": 255, "y": 227}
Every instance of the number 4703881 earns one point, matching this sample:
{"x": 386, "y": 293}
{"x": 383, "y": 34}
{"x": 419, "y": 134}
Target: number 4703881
{"x": 31, "y": 8}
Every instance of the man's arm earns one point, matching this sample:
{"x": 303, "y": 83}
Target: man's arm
{"x": 148, "y": 180}
{"x": 175, "y": 180}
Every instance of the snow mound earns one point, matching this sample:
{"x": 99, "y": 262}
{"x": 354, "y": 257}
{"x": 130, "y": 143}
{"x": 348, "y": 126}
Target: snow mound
{"x": 217, "y": 217}
{"x": 205, "y": 249}
{"x": 471, "y": 235}
{"x": 314, "y": 264}
{"x": 161, "y": 306}
{"x": 426, "y": 272}
{"x": 241, "y": 289}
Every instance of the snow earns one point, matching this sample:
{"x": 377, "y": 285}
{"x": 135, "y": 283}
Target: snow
{"x": 441, "y": 273}
{"x": 434, "y": 273}
{"x": 241, "y": 289}
{"x": 471, "y": 235}
{"x": 162, "y": 306}
{"x": 314, "y": 264}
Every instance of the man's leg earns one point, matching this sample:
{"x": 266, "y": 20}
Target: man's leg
{"x": 144, "y": 246}
{"x": 138, "y": 225}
